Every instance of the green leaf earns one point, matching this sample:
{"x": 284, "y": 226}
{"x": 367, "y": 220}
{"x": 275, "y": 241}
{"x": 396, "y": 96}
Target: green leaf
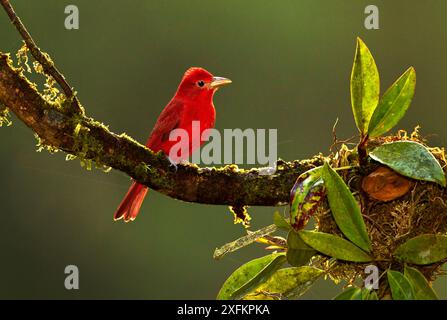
{"x": 250, "y": 275}
{"x": 298, "y": 253}
{"x": 421, "y": 287}
{"x": 410, "y": 159}
{"x": 305, "y": 197}
{"x": 345, "y": 209}
{"x": 288, "y": 283}
{"x": 334, "y": 246}
{"x": 393, "y": 105}
{"x": 423, "y": 249}
{"x": 365, "y": 86}
{"x": 401, "y": 288}
{"x": 368, "y": 294}
{"x": 351, "y": 293}
{"x": 281, "y": 222}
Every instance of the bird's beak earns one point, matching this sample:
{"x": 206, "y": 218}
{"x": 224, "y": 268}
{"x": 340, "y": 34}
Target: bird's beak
{"x": 219, "y": 82}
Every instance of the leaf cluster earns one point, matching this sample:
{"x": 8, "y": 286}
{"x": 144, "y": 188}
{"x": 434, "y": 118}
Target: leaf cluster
{"x": 375, "y": 115}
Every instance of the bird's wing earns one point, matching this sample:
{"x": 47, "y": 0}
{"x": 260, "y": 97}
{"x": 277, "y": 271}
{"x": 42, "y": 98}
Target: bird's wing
{"x": 168, "y": 120}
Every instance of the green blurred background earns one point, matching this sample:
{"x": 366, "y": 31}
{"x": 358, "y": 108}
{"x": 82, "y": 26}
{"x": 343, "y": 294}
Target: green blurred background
{"x": 290, "y": 63}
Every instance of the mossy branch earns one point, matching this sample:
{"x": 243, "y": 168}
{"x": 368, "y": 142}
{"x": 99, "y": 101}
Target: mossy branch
{"x": 61, "y": 124}
{"x": 84, "y": 137}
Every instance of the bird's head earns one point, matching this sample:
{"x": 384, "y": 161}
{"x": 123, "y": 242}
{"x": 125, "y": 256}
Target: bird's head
{"x": 197, "y": 82}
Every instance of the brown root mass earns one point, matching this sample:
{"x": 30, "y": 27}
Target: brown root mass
{"x": 420, "y": 211}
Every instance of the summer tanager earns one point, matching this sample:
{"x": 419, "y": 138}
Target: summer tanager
{"x": 193, "y": 101}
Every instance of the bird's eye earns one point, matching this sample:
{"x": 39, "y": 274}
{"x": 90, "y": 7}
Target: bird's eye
{"x": 200, "y": 83}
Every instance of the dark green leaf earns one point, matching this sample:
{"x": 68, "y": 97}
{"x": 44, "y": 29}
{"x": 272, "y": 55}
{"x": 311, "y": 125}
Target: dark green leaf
{"x": 401, "y": 288}
{"x": 298, "y": 253}
{"x": 250, "y": 275}
{"x": 280, "y": 221}
{"x": 410, "y": 159}
{"x": 334, "y": 246}
{"x": 305, "y": 197}
{"x": 288, "y": 283}
{"x": 393, "y": 105}
{"x": 345, "y": 209}
{"x": 351, "y": 293}
{"x": 365, "y": 86}
{"x": 423, "y": 249}
{"x": 421, "y": 287}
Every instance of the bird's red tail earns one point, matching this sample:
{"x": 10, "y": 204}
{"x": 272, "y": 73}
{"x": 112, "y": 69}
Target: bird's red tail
{"x": 130, "y": 206}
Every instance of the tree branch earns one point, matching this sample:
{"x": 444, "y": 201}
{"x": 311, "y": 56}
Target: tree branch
{"x": 47, "y": 64}
{"x": 88, "y": 139}
{"x": 64, "y": 126}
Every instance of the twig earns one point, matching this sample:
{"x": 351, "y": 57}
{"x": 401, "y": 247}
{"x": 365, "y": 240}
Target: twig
{"x": 334, "y": 134}
{"x": 335, "y": 140}
{"x": 43, "y": 58}
{"x": 244, "y": 241}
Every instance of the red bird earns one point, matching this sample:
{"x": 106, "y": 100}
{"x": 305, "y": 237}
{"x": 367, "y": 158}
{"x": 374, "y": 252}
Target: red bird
{"x": 193, "y": 101}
